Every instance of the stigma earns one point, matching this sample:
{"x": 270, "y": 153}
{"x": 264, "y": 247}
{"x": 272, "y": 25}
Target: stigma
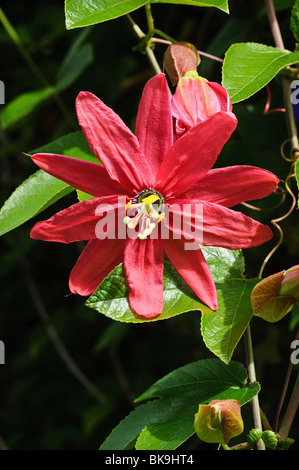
{"x": 148, "y": 209}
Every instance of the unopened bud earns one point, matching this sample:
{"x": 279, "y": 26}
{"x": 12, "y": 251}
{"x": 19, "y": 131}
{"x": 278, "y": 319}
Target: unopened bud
{"x": 270, "y": 439}
{"x": 219, "y": 421}
{"x": 270, "y": 300}
{"x": 196, "y": 99}
{"x": 180, "y": 58}
{"x": 254, "y": 436}
{"x": 290, "y": 283}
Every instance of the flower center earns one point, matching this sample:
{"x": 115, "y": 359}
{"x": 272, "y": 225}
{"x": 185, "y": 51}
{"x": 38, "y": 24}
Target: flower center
{"x": 148, "y": 208}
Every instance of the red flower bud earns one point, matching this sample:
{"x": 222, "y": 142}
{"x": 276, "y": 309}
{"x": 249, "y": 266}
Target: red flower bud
{"x": 219, "y": 421}
{"x": 196, "y": 99}
{"x": 290, "y": 283}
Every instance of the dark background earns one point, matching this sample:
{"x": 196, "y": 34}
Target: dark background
{"x": 43, "y": 405}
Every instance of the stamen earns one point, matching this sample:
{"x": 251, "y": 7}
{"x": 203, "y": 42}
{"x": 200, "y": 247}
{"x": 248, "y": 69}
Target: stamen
{"x": 128, "y": 204}
{"x": 149, "y": 205}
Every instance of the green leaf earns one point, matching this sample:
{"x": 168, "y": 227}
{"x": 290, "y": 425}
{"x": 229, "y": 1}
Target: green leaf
{"x": 111, "y": 297}
{"x": 222, "y": 330}
{"x": 295, "y": 20}
{"x": 221, "y": 4}
{"x": 35, "y": 194}
{"x": 167, "y": 422}
{"x": 248, "y": 67}
{"x": 41, "y": 190}
{"x": 223, "y": 263}
{"x": 82, "y": 196}
{"x": 23, "y": 105}
{"x": 81, "y": 13}
{"x": 75, "y": 62}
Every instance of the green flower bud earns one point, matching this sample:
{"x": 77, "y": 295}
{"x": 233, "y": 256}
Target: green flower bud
{"x": 218, "y": 421}
{"x": 286, "y": 443}
{"x": 268, "y": 302}
{"x": 270, "y": 439}
{"x": 254, "y": 436}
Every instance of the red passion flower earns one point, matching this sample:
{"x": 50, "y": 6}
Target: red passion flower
{"x": 150, "y": 181}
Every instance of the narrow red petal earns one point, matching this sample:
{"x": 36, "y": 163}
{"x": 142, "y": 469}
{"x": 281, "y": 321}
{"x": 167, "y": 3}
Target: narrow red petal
{"x": 87, "y": 176}
{"x": 79, "y": 221}
{"x": 96, "y": 261}
{"x": 194, "y": 154}
{"x": 113, "y": 143}
{"x": 232, "y": 185}
{"x": 144, "y": 263}
{"x": 193, "y": 268}
{"x": 220, "y": 226}
{"x": 154, "y": 121}
{"x": 230, "y": 229}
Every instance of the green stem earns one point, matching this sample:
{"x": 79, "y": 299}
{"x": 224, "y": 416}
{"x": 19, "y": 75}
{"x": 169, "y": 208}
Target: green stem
{"x": 134, "y": 27}
{"x": 252, "y": 378}
{"x": 152, "y": 58}
{"x": 34, "y": 69}
{"x": 140, "y": 35}
{"x": 165, "y": 36}
{"x": 149, "y": 17}
{"x": 292, "y": 131}
{"x": 225, "y": 447}
{"x": 286, "y": 81}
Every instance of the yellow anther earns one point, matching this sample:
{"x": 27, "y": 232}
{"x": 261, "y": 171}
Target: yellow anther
{"x": 151, "y": 199}
{"x": 128, "y": 204}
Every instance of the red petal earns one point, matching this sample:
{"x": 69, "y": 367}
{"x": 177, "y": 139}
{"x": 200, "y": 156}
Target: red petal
{"x": 144, "y": 263}
{"x": 197, "y": 99}
{"x": 193, "y": 268}
{"x": 89, "y": 177}
{"x": 222, "y": 95}
{"x": 113, "y": 143}
{"x": 221, "y": 226}
{"x": 230, "y": 229}
{"x": 96, "y": 261}
{"x": 193, "y": 154}
{"x": 79, "y": 221}
{"x": 232, "y": 185}
{"x": 154, "y": 121}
